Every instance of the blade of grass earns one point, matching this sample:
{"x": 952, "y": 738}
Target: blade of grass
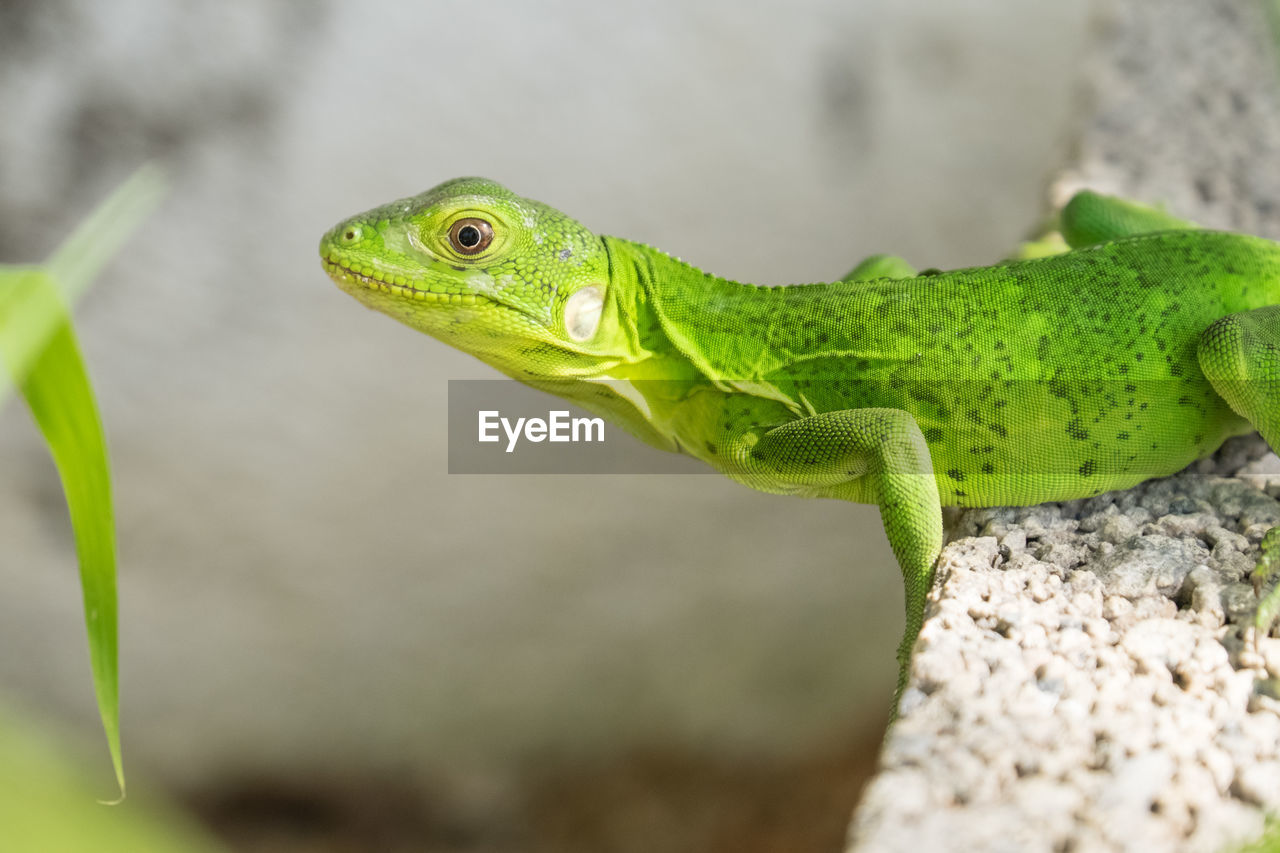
{"x": 61, "y": 400}
{"x": 29, "y": 314}
{"x": 46, "y": 803}
{"x": 82, "y": 255}
{"x": 38, "y": 346}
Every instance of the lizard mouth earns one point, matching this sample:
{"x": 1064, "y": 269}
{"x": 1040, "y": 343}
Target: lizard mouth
{"x": 346, "y": 275}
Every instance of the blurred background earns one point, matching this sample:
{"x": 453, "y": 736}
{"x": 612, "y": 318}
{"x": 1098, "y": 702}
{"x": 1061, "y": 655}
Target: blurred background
{"x": 327, "y": 642}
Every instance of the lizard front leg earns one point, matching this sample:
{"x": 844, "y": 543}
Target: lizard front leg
{"x": 867, "y": 455}
{"x": 880, "y": 266}
{"x": 1090, "y": 218}
{"x": 1240, "y": 354}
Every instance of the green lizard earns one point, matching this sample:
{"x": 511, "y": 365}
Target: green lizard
{"x": 1137, "y": 351}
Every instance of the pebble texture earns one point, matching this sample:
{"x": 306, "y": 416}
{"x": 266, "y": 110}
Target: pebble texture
{"x": 1085, "y": 679}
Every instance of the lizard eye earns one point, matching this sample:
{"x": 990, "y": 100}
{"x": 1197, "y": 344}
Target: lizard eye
{"x": 470, "y": 236}
{"x": 582, "y": 312}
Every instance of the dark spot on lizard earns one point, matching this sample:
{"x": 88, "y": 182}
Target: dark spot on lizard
{"x": 956, "y": 474}
{"x": 1076, "y": 431}
{"x": 1087, "y": 468}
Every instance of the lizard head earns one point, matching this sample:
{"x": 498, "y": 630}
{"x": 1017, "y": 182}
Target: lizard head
{"x": 507, "y": 279}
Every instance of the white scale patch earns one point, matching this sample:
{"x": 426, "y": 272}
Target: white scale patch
{"x": 582, "y": 312}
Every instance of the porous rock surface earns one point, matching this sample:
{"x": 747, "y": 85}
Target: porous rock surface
{"x": 1086, "y": 678}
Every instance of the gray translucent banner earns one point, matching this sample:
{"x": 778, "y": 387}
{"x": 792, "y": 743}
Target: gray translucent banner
{"x": 1108, "y": 432}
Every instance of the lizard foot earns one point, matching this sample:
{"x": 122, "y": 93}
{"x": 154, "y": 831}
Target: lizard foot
{"x": 1264, "y": 577}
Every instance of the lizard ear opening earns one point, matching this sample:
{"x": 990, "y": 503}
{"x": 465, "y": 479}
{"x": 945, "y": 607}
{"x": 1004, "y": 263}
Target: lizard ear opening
{"x": 582, "y": 312}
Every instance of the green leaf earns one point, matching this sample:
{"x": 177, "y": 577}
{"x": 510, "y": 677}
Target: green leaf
{"x": 29, "y": 313}
{"x": 82, "y": 255}
{"x": 61, "y": 400}
{"x": 38, "y": 346}
{"x": 46, "y": 803}
{"x": 30, "y": 309}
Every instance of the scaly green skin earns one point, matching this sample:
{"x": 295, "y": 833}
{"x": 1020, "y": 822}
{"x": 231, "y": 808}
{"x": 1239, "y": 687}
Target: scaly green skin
{"x": 1126, "y": 358}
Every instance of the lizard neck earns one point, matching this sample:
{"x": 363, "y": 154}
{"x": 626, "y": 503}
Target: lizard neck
{"x": 638, "y": 383}
{"x": 718, "y": 327}
{"x": 708, "y": 338}
{"x": 639, "y": 274}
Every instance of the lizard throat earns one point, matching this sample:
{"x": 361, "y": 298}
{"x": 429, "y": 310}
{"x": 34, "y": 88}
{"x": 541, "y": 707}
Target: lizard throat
{"x": 346, "y": 275}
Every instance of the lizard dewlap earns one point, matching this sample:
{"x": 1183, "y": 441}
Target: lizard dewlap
{"x": 1135, "y": 352}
